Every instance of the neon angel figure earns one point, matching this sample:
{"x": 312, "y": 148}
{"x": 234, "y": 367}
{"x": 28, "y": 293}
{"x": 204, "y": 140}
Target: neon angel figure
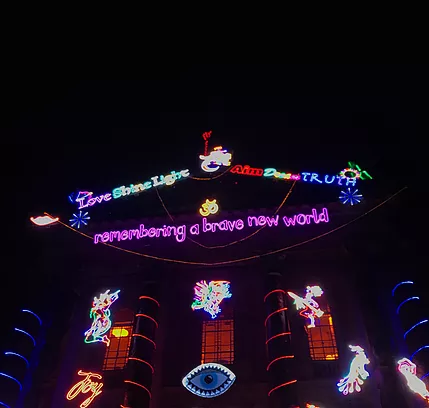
{"x": 100, "y": 313}
{"x": 409, "y": 370}
{"x": 215, "y": 159}
{"x": 357, "y": 373}
{"x": 209, "y": 296}
{"x": 310, "y": 306}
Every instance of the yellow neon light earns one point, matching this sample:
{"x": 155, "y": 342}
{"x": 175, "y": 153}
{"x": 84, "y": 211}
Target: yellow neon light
{"x": 120, "y": 332}
{"x": 209, "y": 207}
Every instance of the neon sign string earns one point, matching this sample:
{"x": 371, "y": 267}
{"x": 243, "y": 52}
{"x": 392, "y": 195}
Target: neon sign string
{"x": 409, "y": 370}
{"x": 413, "y": 327}
{"x": 27, "y": 334}
{"x": 13, "y": 379}
{"x": 85, "y": 386}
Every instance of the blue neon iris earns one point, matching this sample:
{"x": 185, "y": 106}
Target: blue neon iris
{"x": 11, "y": 353}
{"x": 28, "y": 334}
{"x": 405, "y": 301}
{"x": 417, "y": 324}
{"x": 12, "y": 378}
{"x": 349, "y": 197}
{"x": 34, "y": 314}
{"x": 80, "y": 219}
{"x": 420, "y": 349}
{"x": 399, "y": 284}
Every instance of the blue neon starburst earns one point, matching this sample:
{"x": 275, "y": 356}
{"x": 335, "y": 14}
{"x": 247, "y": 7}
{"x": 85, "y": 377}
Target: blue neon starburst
{"x": 79, "y": 219}
{"x": 349, "y": 197}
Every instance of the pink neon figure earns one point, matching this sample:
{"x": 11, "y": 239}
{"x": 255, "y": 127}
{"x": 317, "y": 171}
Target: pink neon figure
{"x": 409, "y": 370}
{"x": 310, "y": 306}
{"x": 100, "y": 313}
{"x": 215, "y": 159}
{"x": 209, "y": 296}
{"x": 357, "y": 373}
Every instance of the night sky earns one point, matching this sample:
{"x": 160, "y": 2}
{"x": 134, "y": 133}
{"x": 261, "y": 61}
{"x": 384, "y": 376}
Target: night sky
{"x": 61, "y": 135}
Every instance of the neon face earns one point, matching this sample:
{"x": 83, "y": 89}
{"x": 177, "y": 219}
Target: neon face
{"x": 209, "y": 296}
{"x": 310, "y": 307}
{"x": 209, "y": 207}
{"x": 409, "y": 370}
{"x": 247, "y": 170}
{"x": 100, "y": 313}
{"x": 357, "y": 373}
{"x": 218, "y": 157}
{"x": 44, "y": 220}
{"x": 209, "y": 380}
{"x": 85, "y": 386}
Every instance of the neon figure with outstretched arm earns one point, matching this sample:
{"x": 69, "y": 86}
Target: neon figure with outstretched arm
{"x": 209, "y": 296}
{"x": 100, "y": 313}
{"x": 311, "y": 308}
{"x": 357, "y": 373}
{"x": 409, "y": 370}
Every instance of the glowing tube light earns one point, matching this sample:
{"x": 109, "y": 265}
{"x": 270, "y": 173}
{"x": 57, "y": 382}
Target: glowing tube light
{"x": 271, "y": 314}
{"x": 27, "y": 334}
{"x": 12, "y": 378}
{"x": 139, "y": 385}
{"x": 282, "y": 385}
{"x": 277, "y": 335}
{"x": 34, "y": 314}
{"x": 145, "y": 315}
{"x": 417, "y": 324}
{"x": 11, "y": 353}
{"x": 273, "y": 291}
{"x": 146, "y": 338}
{"x": 420, "y": 349}
{"x": 150, "y": 298}
{"x": 401, "y": 283}
{"x": 426, "y": 375}
{"x": 4, "y": 405}
{"x": 277, "y": 359}
{"x": 142, "y": 361}
{"x": 405, "y": 301}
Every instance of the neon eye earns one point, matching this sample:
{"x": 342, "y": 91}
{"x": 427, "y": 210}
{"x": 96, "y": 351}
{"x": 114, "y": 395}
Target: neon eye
{"x": 208, "y": 380}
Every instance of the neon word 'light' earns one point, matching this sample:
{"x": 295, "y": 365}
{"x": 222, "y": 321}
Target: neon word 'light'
{"x": 100, "y": 313}
{"x": 85, "y": 386}
{"x": 44, "y": 220}
{"x": 209, "y": 296}
{"x": 409, "y": 370}
{"x": 310, "y": 307}
{"x": 357, "y": 373}
{"x": 216, "y": 158}
{"x": 209, "y": 207}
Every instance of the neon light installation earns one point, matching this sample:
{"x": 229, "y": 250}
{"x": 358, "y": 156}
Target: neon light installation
{"x": 363, "y": 173}
{"x": 209, "y": 380}
{"x": 417, "y": 324}
{"x": 85, "y": 386}
{"x": 310, "y": 306}
{"x": 247, "y": 170}
{"x": 34, "y": 314}
{"x": 349, "y": 172}
{"x": 4, "y": 405}
{"x": 100, "y": 313}
{"x": 13, "y": 379}
{"x": 120, "y": 332}
{"x": 209, "y": 296}
{"x": 357, "y": 373}
{"x": 206, "y": 137}
{"x": 400, "y": 284}
{"x": 218, "y": 157}
{"x": 271, "y": 172}
{"x": 42, "y": 221}
{"x": 314, "y": 177}
{"x": 418, "y": 350}
{"x": 409, "y": 370}
{"x": 209, "y": 207}
{"x": 79, "y": 219}
{"x": 349, "y": 197}
{"x": 11, "y": 353}
{"x": 405, "y": 301}
{"x": 308, "y": 405}
{"x": 27, "y": 334}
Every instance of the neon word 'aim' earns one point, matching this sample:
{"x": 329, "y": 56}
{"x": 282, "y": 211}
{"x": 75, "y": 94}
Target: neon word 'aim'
{"x": 85, "y": 386}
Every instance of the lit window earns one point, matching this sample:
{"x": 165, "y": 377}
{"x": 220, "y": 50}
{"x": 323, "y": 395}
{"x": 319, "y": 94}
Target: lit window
{"x": 218, "y": 342}
{"x": 116, "y": 356}
{"x": 321, "y": 338}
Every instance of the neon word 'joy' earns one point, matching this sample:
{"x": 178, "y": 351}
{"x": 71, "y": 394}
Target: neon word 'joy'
{"x": 218, "y": 157}
{"x": 209, "y": 296}
{"x": 409, "y": 370}
{"x": 85, "y": 386}
{"x": 357, "y": 373}
{"x": 310, "y": 306}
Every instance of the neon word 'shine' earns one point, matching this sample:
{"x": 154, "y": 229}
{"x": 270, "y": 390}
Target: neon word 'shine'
{"x": 88, "y": 200}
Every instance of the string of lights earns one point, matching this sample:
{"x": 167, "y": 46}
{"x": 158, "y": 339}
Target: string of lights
{"x": 210, "y": 178}
{"x": 249, "y": 258}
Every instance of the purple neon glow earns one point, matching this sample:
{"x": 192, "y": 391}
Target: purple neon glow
{"x": 180, "y": 231}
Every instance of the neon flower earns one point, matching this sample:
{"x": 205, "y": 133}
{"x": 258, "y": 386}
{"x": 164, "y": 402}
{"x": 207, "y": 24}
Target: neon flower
{"x": 209, "y": 207}
{"x": 85, "y": 386}
{"x": 350, "y": 173}
{"x": 350, "y": 197}
{"x": 79, "y": 219}
{"x": 409, "y": 370}
{"x": 42, "y": 221}
{"x": 209, "y": 296}
{"x": 310, "y": 306}
{"x": 218, "y": 157}
{"x": 363, "y": 173}
{"x": 100, "y": 313}
{"x": 357, "y": 373}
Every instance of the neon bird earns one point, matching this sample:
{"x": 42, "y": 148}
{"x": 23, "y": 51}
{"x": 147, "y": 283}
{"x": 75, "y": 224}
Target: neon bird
{"x": 357, "y": 373}
{"x": 209, "y": 207}
{"x": 209, "y": 296}
{"x": 100, "y": 313}
{"x": 409, "y": 370}
{"x": 42, "y": 221}
{"x": 218, "y": 157}
{"x": 310, "y": 306}
{"x": 85, "y": 386}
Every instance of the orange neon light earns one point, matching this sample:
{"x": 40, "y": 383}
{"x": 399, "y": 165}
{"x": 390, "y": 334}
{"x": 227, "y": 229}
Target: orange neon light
{"x": 142, "y": 361}
{"x": 119, "y": 332}
{"x": 144, "y": 337}
{"x": 273, "y": 291}
{"x": 271, "y": 314}
{"x": 145, "y": 315}
{"x": 138, "y": 385}
{"x": 85, "y": 386}
{"x": 150, "y": 298}
{"x": 277, "y": 335}
{"x": 282, "y": 385}
{"x": 277, "y": 359}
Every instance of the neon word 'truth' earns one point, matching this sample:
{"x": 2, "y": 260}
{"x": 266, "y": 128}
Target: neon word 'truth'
{"x": 314, "y": 178}
{"x": 310, "y": 306}
{"x": 357, "y": 373}
{"x": 85, "y": 386}
{"x": 208, "y": 296}
{"x": 209, "y": 207}
{"x": 409, "y": 370}
{"x": 218, "y": 157}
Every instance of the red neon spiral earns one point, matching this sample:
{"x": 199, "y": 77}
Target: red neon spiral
{"x": 277, "y": 359}
{"x": 150, "y": 298}
{"x": 273, "y": 291}
{"x": 142, "y": 361}
{"x": 271, "y": 314}
{"x": 282, "y": 385}
{"x": 139, "y": 385}
{"x": 145, "y": 315}
{"x": 146, "y": 338}
{"x": 277, "y": 335}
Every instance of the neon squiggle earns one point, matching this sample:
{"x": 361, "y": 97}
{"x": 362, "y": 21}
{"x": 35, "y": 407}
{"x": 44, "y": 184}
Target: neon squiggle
{"x": 357, "y": 373}
{"x": 209, "y": 296}
{"x": 100, "y": 313}
{"x": 85, "y": 386}
{"x": 409, "y": 370}
{"x": 310, "y": 306}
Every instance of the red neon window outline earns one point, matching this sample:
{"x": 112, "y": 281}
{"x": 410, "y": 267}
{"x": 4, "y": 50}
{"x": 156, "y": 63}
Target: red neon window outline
{"x": 273, "y": 291}
{"x": 277, "y": 335}
{"x": 139, "y": 385}
{"x": 271, "y": 314}
{"x": 150, "y": 298}
{"x": 145, "y": 315}
{"x": 144, "y": 337}
{"x": 282, "y": 385}
{"x": 277, "y": 359}
{"x": 142, "y": 361}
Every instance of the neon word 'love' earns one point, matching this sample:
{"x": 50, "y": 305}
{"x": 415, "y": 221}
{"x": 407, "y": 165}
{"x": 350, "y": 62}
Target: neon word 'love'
{"x": 85, "y": 386}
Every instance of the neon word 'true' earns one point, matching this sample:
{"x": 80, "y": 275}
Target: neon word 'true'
{"x": 314, "y": 177}
{"x": 209, "y": 207}
{"x": 409, "y": 370}
{"x": 85, "y": 386}
{"x": 218, "y": 157}
{"x": 311, "y": 308}
{"x": 209, "y": 296}
{"x": 100, "y": 313}
{"x": 357, "y": 373}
